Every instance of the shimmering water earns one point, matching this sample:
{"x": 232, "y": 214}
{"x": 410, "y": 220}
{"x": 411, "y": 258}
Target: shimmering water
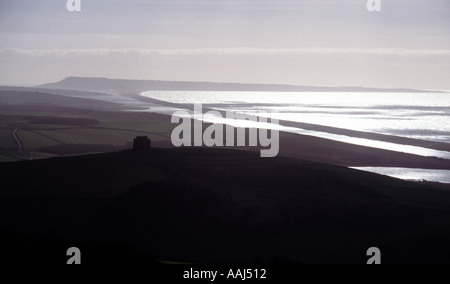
{"x": 424, "y": 116}
{"x": 442, "y": 176}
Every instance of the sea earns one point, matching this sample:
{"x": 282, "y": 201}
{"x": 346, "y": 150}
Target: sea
{"x": 423, "y": 116}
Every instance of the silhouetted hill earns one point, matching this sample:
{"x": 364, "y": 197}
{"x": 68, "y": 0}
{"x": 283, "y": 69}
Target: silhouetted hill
{"x": 133, "y": 86}
{"x": 31, "y": 98}
{"x": 67, "y": 93}
{"x": 221, "y": 206}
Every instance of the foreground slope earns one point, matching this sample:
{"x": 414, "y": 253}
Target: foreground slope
{"x": 216, "y": 206}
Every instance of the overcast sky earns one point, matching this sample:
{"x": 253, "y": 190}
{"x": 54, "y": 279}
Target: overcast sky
{"x": 302, "y": 42}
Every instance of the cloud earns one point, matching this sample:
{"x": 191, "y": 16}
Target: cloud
{"x": 241, "y": 51}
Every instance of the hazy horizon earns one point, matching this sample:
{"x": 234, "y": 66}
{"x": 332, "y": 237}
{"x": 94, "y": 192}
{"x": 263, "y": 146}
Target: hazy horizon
{"x": 219, "y": 82}
{"x": 327, "y": 43}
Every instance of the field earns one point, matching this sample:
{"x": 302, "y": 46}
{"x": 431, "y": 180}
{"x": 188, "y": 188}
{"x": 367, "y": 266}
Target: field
{"x": 6, "y": 141}
{"x": 56, "y": 131}
{"x": 4, "y": 158}
{"x": 33, "y": 141}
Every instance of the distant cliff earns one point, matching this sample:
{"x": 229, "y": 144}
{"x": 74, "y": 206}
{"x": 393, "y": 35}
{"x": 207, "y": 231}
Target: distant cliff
{"x": 133, "y": 86}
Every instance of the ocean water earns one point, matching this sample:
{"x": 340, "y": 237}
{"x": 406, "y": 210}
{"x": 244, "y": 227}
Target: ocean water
{"x": 424, "y": 116}
{"x": 441, "y": 176}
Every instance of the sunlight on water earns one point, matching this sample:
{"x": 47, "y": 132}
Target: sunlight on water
{"x": 376, "y": 144}
{"x": 423, "y": 116}
{"x": 341, "y": 138}
{"x": 442, "y": 176}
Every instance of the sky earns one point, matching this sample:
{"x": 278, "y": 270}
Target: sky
{"x": 299, "y": 42}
